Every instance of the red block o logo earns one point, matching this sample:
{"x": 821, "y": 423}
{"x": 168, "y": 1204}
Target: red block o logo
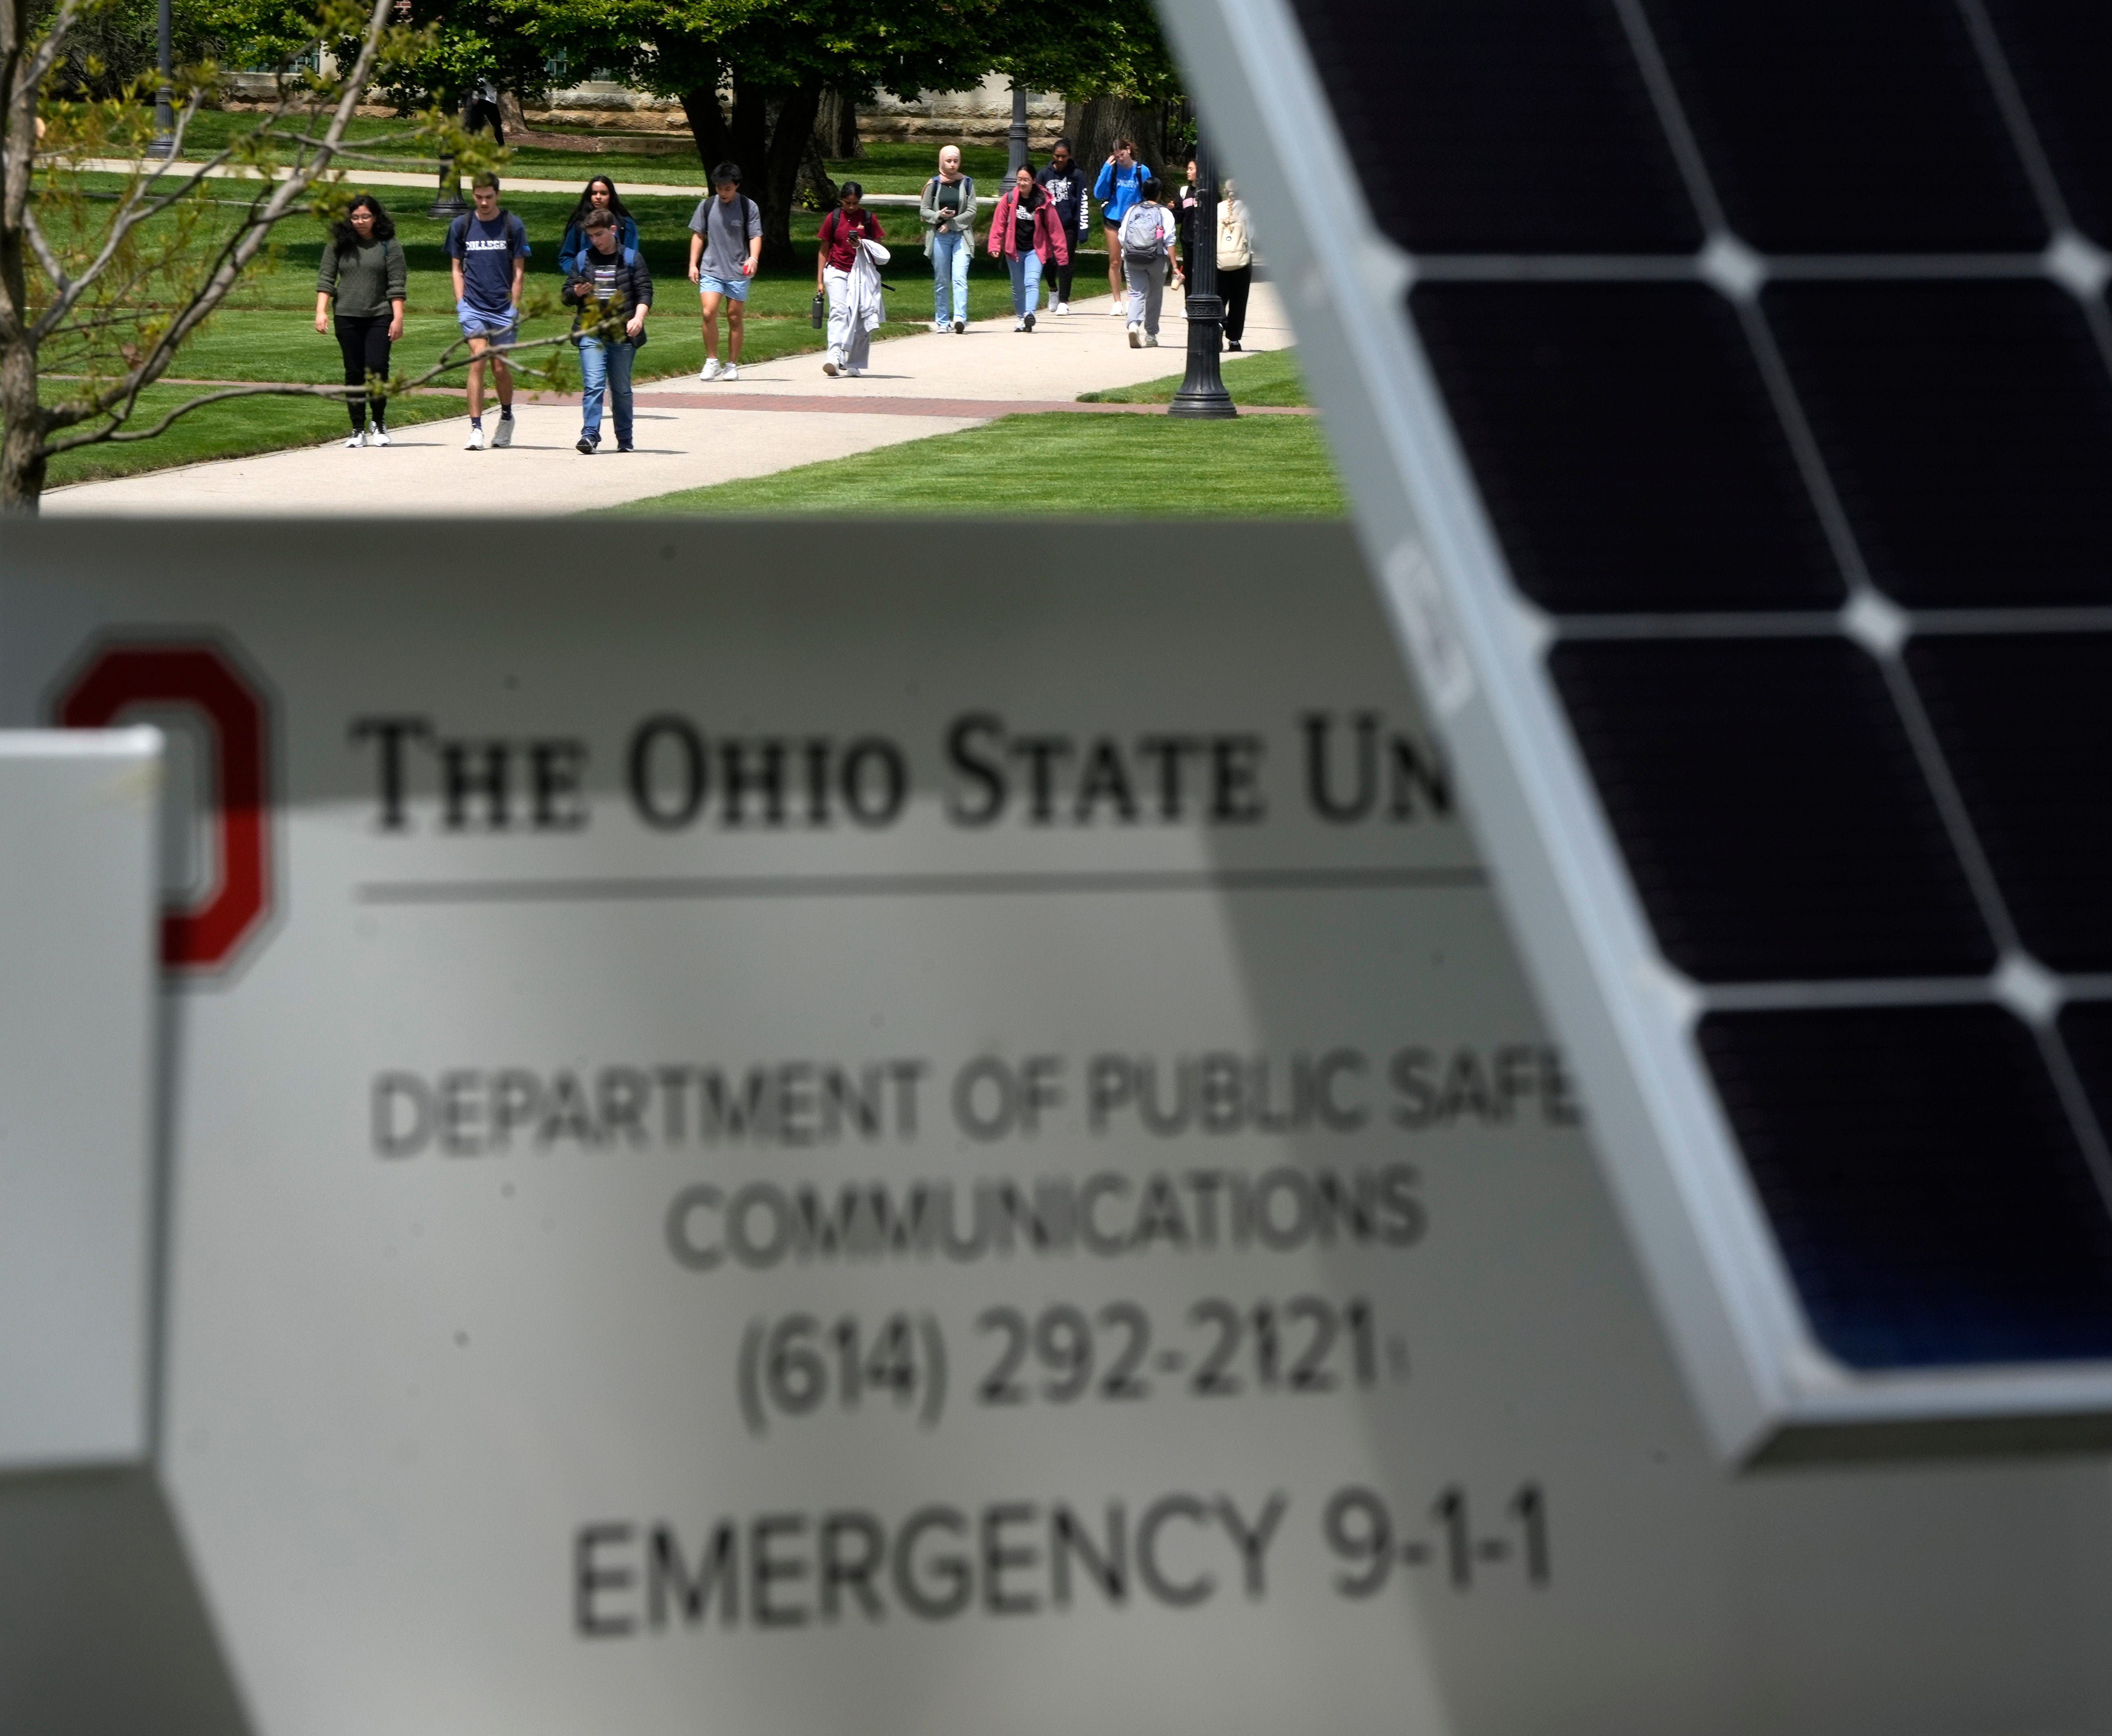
{"x": 209, "y": 933}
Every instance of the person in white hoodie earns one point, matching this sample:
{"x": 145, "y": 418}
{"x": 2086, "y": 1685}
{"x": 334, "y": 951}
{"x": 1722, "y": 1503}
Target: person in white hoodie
{"x": 845, "y": 271}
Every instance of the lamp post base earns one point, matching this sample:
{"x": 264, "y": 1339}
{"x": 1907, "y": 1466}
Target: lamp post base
{"x": 448, "y": 201}
{"x": 1203, "y": 391}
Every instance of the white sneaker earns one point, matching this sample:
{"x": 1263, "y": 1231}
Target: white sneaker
{"x": 710, "y": 370}
{"x": 854, "y": 373}
{"x": 503, "y": 435}
{"x": 355, "y": 442}
{"x": 475, "y": 442}
{"x": 941, "y": 325}
{"x": 1137, "y": 337}
{"x": 829, "y": 365}
{"x": 377, "y": 435}
{"x": 730, "y": 371}
{"x": 1118, "y": 312}
{"x": 1020, "y": 324}
{"x": 1150, "y": 343}
{"x": 1061, "y": 309}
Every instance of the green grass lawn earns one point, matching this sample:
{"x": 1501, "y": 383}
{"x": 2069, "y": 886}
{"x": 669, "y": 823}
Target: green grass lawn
{"x": 1267, "y": 380}
{"x": 1271, "y": 467}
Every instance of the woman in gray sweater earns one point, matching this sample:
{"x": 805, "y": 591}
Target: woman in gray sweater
{"x": 363, "y": 271}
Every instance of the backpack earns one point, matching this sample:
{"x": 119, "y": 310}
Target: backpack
{"x": 1144, "y": 240}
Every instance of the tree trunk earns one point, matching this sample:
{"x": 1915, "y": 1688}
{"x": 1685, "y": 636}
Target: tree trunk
{"x": 836, "y": 129}
{"x": 21, "y": 463}
{"x": 21, "y": 421}
{"x": 1098, "y": 122}
{"x": 707, "y": 125}
{"x": 791, "y": 132}
{"x": 511, "y": 115}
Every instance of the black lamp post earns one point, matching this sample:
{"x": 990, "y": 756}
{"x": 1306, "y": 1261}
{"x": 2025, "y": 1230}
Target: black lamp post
{"x": 1015, "y": 155}
{"x": 164, "y": 143}
{"x": 1203, "y": 391}
{"x": 448, "y": 202}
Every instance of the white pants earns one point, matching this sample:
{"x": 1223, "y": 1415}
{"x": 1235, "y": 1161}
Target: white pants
{"x": 848, "y": 341}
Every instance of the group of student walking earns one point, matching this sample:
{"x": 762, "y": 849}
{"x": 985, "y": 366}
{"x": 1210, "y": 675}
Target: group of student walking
{"x": 1035, "y": 229}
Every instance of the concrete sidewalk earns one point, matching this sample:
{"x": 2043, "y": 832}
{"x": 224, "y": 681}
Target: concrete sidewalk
{"x": 798, "y": 415}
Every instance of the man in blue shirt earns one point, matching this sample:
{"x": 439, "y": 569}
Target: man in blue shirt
{"x": 489, "y": 248}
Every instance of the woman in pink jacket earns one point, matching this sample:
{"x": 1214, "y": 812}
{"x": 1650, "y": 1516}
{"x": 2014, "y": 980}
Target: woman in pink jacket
{"x": 1025, "y": 234}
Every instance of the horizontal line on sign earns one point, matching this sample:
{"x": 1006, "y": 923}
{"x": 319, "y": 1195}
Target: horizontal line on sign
{"x": 913, "y": 885}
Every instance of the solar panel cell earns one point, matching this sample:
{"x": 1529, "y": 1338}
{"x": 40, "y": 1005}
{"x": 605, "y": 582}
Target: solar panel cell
{"x": 2026, "y": 724}
{"x": 1856, "y": 129}
{"x": 1771, "y": 810}
{"x": 1499, "y": 125}
{"x": 2060, "y": 52}
{"x": 1924, "y": 1183}
{"x": 1626, "y": 446}
{"x": 1967, "y": 427}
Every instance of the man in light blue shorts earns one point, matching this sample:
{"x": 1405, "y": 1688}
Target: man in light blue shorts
{"x": 726, "y": 242}
{"x": 489, "y": 248}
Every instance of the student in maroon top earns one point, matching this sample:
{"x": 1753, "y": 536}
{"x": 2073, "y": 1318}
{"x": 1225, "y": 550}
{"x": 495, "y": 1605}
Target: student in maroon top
{"x": 842, "y": 231}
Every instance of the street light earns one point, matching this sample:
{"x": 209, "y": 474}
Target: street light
{"x": 1015, "y": 155}
{"x": 1203, "y": 391}
{"x": 164, "y": 143}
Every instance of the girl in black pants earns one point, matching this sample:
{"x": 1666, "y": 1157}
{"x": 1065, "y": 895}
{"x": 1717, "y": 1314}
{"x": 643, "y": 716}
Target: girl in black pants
{"x": 362, "y": 270}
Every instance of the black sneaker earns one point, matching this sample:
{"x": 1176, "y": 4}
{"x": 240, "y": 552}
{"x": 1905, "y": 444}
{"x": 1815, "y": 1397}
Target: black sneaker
{"x": 586, "y": 446}
{"x": 626, "y": 448}
{"x": 959, "y": 326}
{"x": 1030, "y": 322}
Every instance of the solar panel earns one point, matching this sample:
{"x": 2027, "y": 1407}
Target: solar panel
{"x": 1726, "y": 389}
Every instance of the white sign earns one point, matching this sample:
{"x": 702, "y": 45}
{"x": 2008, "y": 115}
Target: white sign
{"x": 775, "y": 1135}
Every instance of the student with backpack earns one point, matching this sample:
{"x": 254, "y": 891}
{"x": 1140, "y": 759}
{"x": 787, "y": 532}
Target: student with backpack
{"x": 845, "y": 271}
{"x": 489, "y": 247}
{"x": 948, "y": 212}
{"x": 1120, "y": 186}
{"x": 363, "y": 273}
{"x": 1026, "y": 235}
{"x": 726, "y": 245}
{"x": 1146, "y": 236}
{"x": 600, "y": 195}
{"x": 612, "y": 292}
{"x": 1064, "y": 181}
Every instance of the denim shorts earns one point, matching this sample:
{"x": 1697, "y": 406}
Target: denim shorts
{"x": 498, "y": 328}
{"x": 735, "y": 288}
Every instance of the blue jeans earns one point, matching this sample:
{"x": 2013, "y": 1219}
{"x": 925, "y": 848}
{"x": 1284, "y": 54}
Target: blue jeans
{"x": 949, "y": 264}
{"x": 1025, "y": 280}
{"x": 605, "y": 367}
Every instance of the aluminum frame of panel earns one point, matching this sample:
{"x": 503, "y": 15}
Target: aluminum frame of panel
{"x": 1767, "y": 1391}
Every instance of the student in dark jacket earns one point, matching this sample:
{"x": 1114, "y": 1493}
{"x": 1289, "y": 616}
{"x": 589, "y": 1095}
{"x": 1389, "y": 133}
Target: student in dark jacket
{"x": 600, "y": 195}
{"x": 614, "y": 293}
{"x": 363, "y": 272}
{"x": 1070, "y": 198}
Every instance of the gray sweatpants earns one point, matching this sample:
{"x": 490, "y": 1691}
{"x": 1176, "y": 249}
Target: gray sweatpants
{"x": 1147, "y": 290}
